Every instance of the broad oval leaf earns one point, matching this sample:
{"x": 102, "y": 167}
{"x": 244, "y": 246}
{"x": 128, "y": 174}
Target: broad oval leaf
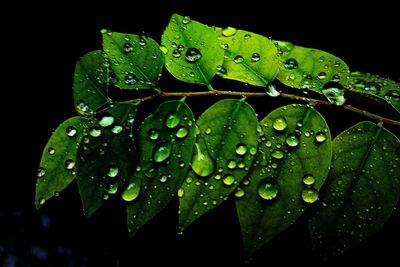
{"x": 223, "y": 156}
{"x": 192, "y": 50}
{"x": 90, "y": 83}
{"x": 166, "y": 140}
{"x": 57, "y": 165}
{"x": 308, "y": 68}
{"x": 291, "y": 165}
{"x": 361, "y": 191}
{"x": 249, "y": 57}
{"x": 136, "y": 60}
{"x": 106, "y": 157}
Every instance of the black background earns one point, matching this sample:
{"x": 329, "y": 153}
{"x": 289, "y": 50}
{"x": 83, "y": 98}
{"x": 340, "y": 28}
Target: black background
{"x": 41, "y": 44}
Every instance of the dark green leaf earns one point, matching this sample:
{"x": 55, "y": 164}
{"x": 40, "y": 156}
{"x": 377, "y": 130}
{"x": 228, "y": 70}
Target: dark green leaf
{"x": 166, "y": 139}
{"x": 136, "y": 60}
{"x": 362, "y": 189}
{"x": 291, "y": 166}
{"x": 192, "y": 50}
{"x": 223, "y": 155}
{"x": 56, "y": 169}
{"x": 106, "y": 157}
{"x": 90, "y": 83}
{"x": 249, "y": 57}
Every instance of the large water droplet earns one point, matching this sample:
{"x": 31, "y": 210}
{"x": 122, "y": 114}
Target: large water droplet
{"x": 229, "y": 31}
{"x": 130, "y": 78}
{"x": 182, "y": 132}
{"x": 292, "y": 140}
{"x": 193, "y": 55}
{"x": 320, "y": 137}
{"x": 112, "y": 170}
{"x": 291, "y": 64}
{"x": 106, "y": 121}
{"x": 131, "y": 192}
{"x": 51, "y": 150}
{"x": 255, "y": 57}
{"x": 202, "y": 164}
{"x": 71, "y": 131}
{"x": 309, "y": 195}
{"x": 161, "y": 152}
{"x": 277, "y": 154}
{"x": 69, "y": 164}
{"x": 95, "y": 131}
{"x": 172, "y": 120}
{"x": 268, "y": 189}
{"x": 154, "y": 134}
{"x": 228, "y": 179}
{"x": 238, "y": 59}
{"x": 241, "y": 149}
{"x": 279, "y": 124}
{"x": 41, "y": 172}
{"x": 308, "y": 179}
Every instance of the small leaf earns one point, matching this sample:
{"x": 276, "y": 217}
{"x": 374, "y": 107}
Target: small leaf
{"x": 223, "y": 155}
{"x": 249, "y": 57}
{"x": 57, "y": 166}
{"x": 166, "y": 139}
{"x": 291, "y": 165}
{"x": 106, "y": 157}
{"x": 308, "y": 68}
{"x": 193, "y": 51}
{"x": 362, "y": 189}
{"x": 90, "y": 83}
{"x": 136, "y": 60}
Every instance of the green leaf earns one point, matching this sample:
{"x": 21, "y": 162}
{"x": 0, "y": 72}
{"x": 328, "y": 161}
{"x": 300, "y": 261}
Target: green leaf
{"x": 291, "y": 166}
{"x": 362, "y": 189}
{"x": 56, "y": 169}
{"x": 136, "y": 60}
{"x": 223, "y": 156}
{"x": 106, "y": 157}
{"x": 249, "y": 57}
{"x": 90, "y": 83}
{"x": 308, "y": 68}
{"x": 379, "y": 87}
{"x": 193, "y": 51}
{"x": 166, "y": 139}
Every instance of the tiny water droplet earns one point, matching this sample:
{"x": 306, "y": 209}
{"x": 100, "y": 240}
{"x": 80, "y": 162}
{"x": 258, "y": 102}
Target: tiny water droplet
{"x": 161, "y": 152}
{"x": 41, "y": 172}
{"x": 154, "y": 134}
{"x": 279, "y": 124}
{"x": 112, "y": 170}
{"x": 128, "y": 47}
{"x": 51, "y": 150}
{"x": 130, "y": 78}
{"x": 112, "y": 188}
{"x": 241, "y": 149}
{"x": 239, "y": 193}
{"x": 42, "y": 201}
{"x": 71, "y": 131}
{"x": 253, "y": 151}
{"x": 320, "y": 137}
{"x": 231, "y": 164}
{"x": 309, "y": 195}
{"x": 186, "y": 20}
{"x": 322, "y": 75}
{"x": 150, "y": 173}
{"x": 181, "y": 192}
{"x": 163, "y": 178}
{"x": 95, "y": 131}
{"x": 193, "y": 55}
{"x": 221, "y": 70}
{"x": 255, "y": 57}
{"x": 228, "y": 179}
{"x": 277, "y": 154}
{"x": 268, "y": 189}
{"x": 131, "y": 192}
{"x": 182, "y": 132}
{"x": 164, "y": 49}
{"x": 247, "y": 36}
{"x": 238, "y": 59}
{"x": 106, "y": 121}
{"x": 172, "y": 120}
{"x": 241, "y": 165}
{"x": 176, "y": 53}
{"x": 69, "y": 164}
{"x": 229, "y": 31}
{"x": 191, "y": 74}
{"x": 308, "y": 179}
{"x": 117, "y": 129}
{"x": 291, "y": 64}
{"x": 208, "y": 131}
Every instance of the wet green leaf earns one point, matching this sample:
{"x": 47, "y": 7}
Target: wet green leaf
{"x": 249, "y": 57}
{"x": 192, "y": 50}
{"x": 308, "y": 68}
{"x": 222, "y": 158}
{"x": 136, "y": 60}
{"x": 57, "y": 166}
{"x": 166, "y": 140}
{"x": 361, "y": 191}
{"x": 90, "y": 83}
{"x": 106, "y": 157}
{"x": 291, "y": 166}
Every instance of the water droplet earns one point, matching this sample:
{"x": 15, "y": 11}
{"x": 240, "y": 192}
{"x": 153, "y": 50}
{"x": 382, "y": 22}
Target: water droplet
{"x": 229, "y": 31}
{"x": 69, "y": 164}
{"x": 186, "y": 20}
{"x": 231, "y": 164}
{"x": 193, "y": 55}
{"x": 373, "y": 87}
{"x": 208, "y": 131}
{"x": 322, "y": 75}
{"x": 161, "y": 152}
{"x": 238, "y": 59}
{"x": 51, "y": 150}
{"x": 292, "y": 140}
{"x": 83, "y": 108}
{"x": 279, "y": 124}
{"x": 277, "y": 154}
{"x": 163, "y": 178}
{"x": 164, "y": 49}
{"x": 228, "y": 179}
{"x": 271, "y": 91}
{"x": 150, "y": 173}
{"x": 268, "y": 189}
{"x": 41, "y": 172}
{"x": 181, "y": 192}
{"x": 221, "y": 70}
{"x": 131, "y": 192}
{"x": 247, "y": 36}
{"x": 154, "y": 134}
{"x": 336, "y": 78}
{"x": 42, "y": 201}
{"x": 217, "y": 176}
{"x": 309, "y": 195}
{"x": 173, "y": 120}
{"x": 241, "y": 165}
{"x": 71, "y": 131}
{"x": 106, "y": 196}
{"x": 191, "y": 74}
{"x": 176, "y": 53}
{"x": 308, "y": 179}
{"x": 241, "y": 149}
{"x": 320, "y": 137}
{"x": 239, "y": 192}
{"x": 181, "y": 164}
{"x": 182, "y": 132}
{"x": 335, "y": 96}
{"x": 202, "y": 164}
{"x": 112, "y": 188}
{"x": 393, "y": 94}
{"x": 225, "y": 46}
{"x": 130, "y": 78}
{"x": 128, "y": 47}
{"x": 95, "y": 131}
{"x": 253, "y": 150}
{"x": 255, "y": 57}
{"x": 291, "y": 64}
{"x": 268, "y": 143}
{"x": 116, "y": 129}
{"x": 106, "y": 121}
{"x": 112, "y": 170}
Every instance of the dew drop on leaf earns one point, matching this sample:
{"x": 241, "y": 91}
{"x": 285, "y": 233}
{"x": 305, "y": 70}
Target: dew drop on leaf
{"x": 253, "y": 151}
{"x": 309, "y": 195}
{"x": 239, "y": 193}
{"x": 95, "y": 131}
{"x": 291, "y": 64}
{"x": 186, "y": 20}
{"x": 268, "y": 189}
{"x": 69, "y": 164}
{"x": 193, "y": 55}
{"x": 292, "y": 140}
{"x": 164, "y": 49}
{"x": 154, "y": 134}
{"x": 131, "y": 192}
{"x": 229, "y": 31}
{"x": 172, "y": 120}
{"x": 112, "y": 188}
{"x": 238, "y": 59}
{"x": 163, "y": 178}
{"x": 279, "y": 124}
{"x": 42, "y": 201}
{"x": 208, "y": 131}
{"x": 128, "y": 47}
{"x": 130, "y": 78}
{"x": 308, "y": 179}
{"x": 320, "y": 137}
{"x": 71, "y": 131}
{"x": 277, "y": 154}
{"x": 116, "y": 129}
{"x": 51, "y": 150}
{"x": 41, "y": 172}
{"x": 161, "y": 153}
{"x": 241, "y": 149}
{"x": 322, "y": 75}
{"x": 176, "y": 53}
{"x": 181, "y": 192}
{"x": 228, "y": 179}
{"x": 255, "y": 57}
{"x": 106, "y": 121}
{"x": 112, "y": 171}
{"x": 335, "y": 96}
{"x": 182, "y": 132}
{"x": 231, "y": 164}
{"x": 202, "y": 164}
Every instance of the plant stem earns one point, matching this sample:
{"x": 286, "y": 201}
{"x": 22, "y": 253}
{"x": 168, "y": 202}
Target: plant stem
{"x": 312, "y": 101}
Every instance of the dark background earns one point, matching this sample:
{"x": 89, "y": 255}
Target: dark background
{"x": 41, "y": 44}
